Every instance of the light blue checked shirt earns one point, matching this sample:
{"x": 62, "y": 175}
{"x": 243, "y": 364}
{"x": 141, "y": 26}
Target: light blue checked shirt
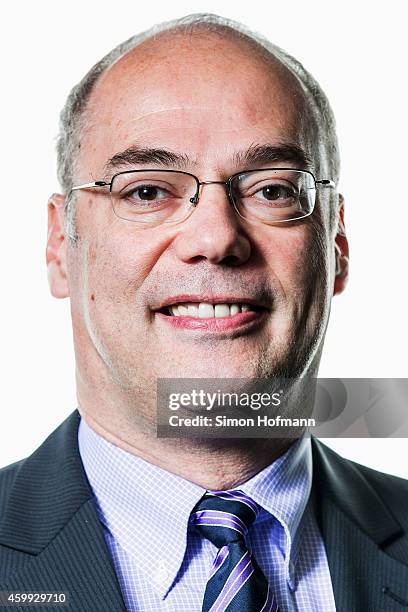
{"x": 163, "y": 564}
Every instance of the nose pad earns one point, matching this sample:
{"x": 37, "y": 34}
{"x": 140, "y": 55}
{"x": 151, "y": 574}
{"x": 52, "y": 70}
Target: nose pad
{"x": 195, "y": 199}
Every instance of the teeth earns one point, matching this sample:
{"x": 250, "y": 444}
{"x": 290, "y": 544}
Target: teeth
{"x": 205, "y": 310}
{"x": 193, "y": 310}
{"x": 183, "y": 310}
{"x": 222, "y": 310}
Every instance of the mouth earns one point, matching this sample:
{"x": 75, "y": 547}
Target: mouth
{"x": 211, "y": 314}
{"x": 207, "y": 310}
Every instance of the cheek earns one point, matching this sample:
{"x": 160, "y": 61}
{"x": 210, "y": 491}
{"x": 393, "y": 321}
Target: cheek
{"x": 115, "y": 265}
{"x": 295, "y": 256}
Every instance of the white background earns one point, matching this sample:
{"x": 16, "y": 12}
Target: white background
{"x": 357, "y": 51}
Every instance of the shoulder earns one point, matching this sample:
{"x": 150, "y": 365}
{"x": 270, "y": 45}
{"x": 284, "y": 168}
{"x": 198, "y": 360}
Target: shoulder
{"x": 379, "y": 480}
{"x": 354, "y": 486}
{"x": 393, "y": 490}
{"x": 8, "y": 476}
{"x": 51, "y": 467}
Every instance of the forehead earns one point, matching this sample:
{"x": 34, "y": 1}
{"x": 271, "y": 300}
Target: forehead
{"x": 206, "y": 94}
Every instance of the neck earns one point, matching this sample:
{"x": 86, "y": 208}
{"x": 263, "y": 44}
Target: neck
{"x": 211, "y": 464}
{"x": 126, "y": 418}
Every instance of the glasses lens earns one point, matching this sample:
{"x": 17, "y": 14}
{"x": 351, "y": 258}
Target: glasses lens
{"x": 274, "y": 196}
{"x": 151, "y": 197}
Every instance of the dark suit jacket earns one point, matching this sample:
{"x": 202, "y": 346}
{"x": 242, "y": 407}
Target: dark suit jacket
{"x": 51, "y": 538}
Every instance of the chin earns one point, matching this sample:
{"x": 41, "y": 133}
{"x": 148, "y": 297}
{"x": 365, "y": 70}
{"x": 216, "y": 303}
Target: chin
{"x": 215, "y": 368}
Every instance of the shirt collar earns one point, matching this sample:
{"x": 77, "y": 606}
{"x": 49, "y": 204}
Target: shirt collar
{"x": 136, "y": 502}
{"x": 141, "y": 505}
{"x": 283, "y": 490}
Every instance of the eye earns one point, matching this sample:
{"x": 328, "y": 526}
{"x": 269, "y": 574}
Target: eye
{"x": 147, "y": 193}
{"x": 276, "y": 192}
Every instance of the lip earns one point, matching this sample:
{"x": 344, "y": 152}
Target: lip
{"x": 242, "y": 321}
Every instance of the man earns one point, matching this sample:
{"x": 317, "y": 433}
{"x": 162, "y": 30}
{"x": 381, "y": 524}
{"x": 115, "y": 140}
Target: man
{"x": 197, "y": 238}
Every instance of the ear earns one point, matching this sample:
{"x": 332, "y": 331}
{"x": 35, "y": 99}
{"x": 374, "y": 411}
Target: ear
{"x": 56, "y": 247}
{"x": 342, "y": 253}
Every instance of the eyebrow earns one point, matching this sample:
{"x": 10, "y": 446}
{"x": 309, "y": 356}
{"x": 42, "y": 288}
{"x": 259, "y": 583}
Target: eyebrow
{"x": 255, "y": 154}
{"x": 134, "y": 156}
{"x": 260, "y": 154}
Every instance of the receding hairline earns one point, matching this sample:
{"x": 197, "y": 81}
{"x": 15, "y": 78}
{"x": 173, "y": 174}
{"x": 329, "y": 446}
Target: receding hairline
{"x": 153, "y": 43}
{"x": 203, "y": 30}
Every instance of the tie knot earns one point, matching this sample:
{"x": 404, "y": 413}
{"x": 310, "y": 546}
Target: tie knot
{"x": 224, "y": 516}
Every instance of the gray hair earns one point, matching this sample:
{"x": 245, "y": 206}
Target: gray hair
{"x": 73, "y": 112}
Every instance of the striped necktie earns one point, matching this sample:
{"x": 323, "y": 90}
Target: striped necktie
{"x": 236, "y": 583}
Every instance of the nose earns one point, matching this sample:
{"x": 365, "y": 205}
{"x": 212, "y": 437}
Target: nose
{"x": 213, "y": 232}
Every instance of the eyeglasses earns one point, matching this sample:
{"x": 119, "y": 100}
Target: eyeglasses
{"x": 154, "y": 197}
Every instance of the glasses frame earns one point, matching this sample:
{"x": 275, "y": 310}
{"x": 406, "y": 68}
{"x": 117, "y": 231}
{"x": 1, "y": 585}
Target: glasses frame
{"x": 318, "y": 183}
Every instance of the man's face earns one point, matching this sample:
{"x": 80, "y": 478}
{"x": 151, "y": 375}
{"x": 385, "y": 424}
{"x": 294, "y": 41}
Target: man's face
{"x": 209, "y": 100}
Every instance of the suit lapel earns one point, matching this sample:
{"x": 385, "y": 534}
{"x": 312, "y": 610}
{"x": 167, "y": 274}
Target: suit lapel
{"x": 51, "y": 519}
{"x": 358, "y": 531}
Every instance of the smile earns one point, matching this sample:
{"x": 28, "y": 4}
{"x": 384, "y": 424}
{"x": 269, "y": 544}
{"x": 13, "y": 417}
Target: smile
{"x": 212, "y": 314}
{"x": 208, "y": 310}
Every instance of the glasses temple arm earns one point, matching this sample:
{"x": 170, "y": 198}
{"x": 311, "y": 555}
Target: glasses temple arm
{"x": 326, "y": 183}
{"x": 88, "y": 185}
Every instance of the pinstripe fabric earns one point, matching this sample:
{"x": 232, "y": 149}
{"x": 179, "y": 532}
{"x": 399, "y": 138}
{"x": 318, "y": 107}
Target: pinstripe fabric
{"x": 11, "y": 559}
{"x": 162, "y": 564}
